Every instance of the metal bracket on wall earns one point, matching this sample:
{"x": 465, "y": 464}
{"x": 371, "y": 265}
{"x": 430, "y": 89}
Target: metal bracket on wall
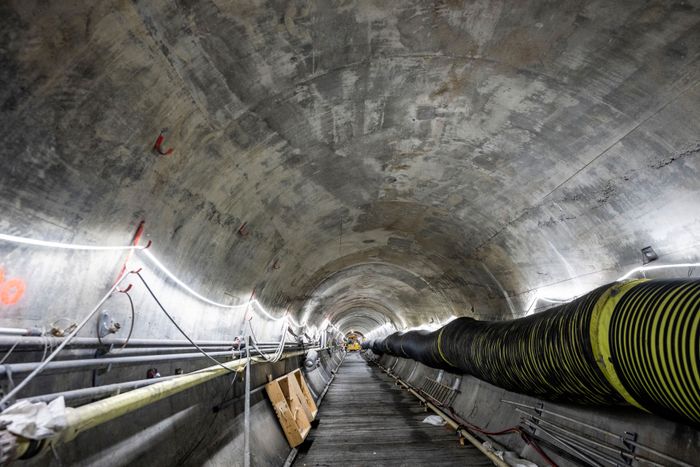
{"x": 106, "y": 325}
{"x": 629, "y": 440}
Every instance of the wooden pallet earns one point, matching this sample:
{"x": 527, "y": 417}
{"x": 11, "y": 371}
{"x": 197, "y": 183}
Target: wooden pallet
{"x": 293, "y": 404}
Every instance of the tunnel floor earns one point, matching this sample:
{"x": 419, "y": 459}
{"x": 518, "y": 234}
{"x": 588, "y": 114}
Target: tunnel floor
{"x": 365, "y": 419}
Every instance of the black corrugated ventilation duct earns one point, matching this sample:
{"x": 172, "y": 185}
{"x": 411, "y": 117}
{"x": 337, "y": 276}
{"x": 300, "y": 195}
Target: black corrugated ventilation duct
{"x": 635, "y": 342}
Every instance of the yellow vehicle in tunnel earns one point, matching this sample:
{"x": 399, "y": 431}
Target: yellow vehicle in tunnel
{"x": 353, "y": 342}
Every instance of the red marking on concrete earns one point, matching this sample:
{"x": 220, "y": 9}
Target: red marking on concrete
{"x": 158, "y": 146}
{"x": 11, "y": 290}
{"x": 134, "y": 242}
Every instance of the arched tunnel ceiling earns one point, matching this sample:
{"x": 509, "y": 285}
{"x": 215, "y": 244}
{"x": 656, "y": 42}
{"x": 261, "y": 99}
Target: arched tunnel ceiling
{"x": 391, "y": 161}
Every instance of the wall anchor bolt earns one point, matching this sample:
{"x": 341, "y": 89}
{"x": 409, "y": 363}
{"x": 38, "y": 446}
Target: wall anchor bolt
{"x": 158, "y": 146}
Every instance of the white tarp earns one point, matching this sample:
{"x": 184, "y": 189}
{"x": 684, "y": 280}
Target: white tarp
{"x": 35, "y": 420}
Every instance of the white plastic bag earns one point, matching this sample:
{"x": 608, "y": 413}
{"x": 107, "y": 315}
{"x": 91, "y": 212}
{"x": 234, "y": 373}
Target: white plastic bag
{"x": 434, "y": 420}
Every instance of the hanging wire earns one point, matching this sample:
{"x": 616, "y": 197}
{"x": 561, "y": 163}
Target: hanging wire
{"x": 8, "y": 353}
{"x": 172, "y": 320}
{"x": 280, "y": 348}
{"x": 11, "y": 394}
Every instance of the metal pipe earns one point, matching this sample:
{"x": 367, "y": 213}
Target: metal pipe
{"x": 88, "y": 416}
{"x": 566, "y": 446}
{"x": 43, "y": 341}
{"x": 577, "y": 444}
{"x": 106, "y": 360}
{"x": 20, "y": 331}
{"x": 107, "y": 389}
{"x": 114, "y": 353}
{"x": 97, "y": 391}
{"x": 91, "y": 415}
{"x": 620, "y": 462}
{"x": 67, "y": 339}
{"x": 94, "y": 363}
{"x": 615, "y": 449}
{"x": 606, "y": 432}
{"x": 246, "y": 430}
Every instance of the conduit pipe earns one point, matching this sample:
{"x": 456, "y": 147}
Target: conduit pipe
{"x": 42, "y": 341}
{"x": 88, "y": 416}
{"x": 95, "y": 363}
{"x": 100, "y": 391}
{"x": 113, "y": 360}
{"x": 636, "y": 342}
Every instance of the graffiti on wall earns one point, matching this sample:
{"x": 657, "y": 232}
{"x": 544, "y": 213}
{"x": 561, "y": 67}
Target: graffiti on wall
{"x": 11, "y": 290}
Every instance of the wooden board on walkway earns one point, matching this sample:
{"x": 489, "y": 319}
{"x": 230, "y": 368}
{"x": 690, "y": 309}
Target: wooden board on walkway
{"x": 293, "y": 404}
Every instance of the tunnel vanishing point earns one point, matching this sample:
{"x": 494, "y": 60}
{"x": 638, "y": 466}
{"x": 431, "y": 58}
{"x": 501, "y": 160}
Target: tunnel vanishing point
{"x": 357, "y": 232}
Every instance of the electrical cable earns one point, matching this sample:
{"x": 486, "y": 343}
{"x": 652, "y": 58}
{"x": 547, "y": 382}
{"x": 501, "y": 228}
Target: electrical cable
{"x": 209, "y": 425}
{"x": 470, "y": 426}
{"x": 11, "y": 394}
{"x": 511, "y": 430}
{"x": 172, "y": 320}
{"x": 278, "y": 353}
{"x": 131, "y": 327}
{"x": 8, "y": 353}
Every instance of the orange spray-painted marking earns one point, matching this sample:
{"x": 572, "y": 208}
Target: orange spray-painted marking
{"x": 11, "y": 290}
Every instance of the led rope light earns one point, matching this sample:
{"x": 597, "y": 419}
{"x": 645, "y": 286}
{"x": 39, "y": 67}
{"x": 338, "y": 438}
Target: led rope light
{"x": 66, "y": 246}
{"x": 255, "y": 303}
{"x": 174, "y": 278}
{"x": 661, "y": 266}
{"x": 151, "y": 257}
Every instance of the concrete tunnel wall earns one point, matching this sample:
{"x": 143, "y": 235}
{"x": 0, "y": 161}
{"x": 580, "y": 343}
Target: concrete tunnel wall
{"x": 393, "y": 163}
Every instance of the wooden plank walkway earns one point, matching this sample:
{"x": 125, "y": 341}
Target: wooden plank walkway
{"x": 367, "y": 420}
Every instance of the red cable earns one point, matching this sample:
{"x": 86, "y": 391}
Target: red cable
{"x": 512, "y": 430}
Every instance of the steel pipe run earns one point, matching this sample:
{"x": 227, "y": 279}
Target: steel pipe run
{"x": 88, "y": 416}
{"x": 40, "y": 342}
{"x": 117, "y": 359}
{"x": 636, "y": 342}
{"x": 96, "y": 363}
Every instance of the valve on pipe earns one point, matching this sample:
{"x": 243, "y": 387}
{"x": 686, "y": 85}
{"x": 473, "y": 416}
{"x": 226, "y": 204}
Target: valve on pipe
{"x": 636, "y": 342}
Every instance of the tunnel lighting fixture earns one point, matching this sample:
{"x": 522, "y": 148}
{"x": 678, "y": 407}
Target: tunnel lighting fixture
{"x": 648, "y": 255}
{"x": 67, "y": 246}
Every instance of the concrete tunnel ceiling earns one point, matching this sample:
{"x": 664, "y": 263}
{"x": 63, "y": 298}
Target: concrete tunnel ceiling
{"x": 391, "y": 162}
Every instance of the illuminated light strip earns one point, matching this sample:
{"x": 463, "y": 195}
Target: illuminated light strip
{"x": 174, "y": 278}
{"x": 67, "y": 246}
{"x": 159, "y": 265}
{"x": 661, "y": 266}
{"x": 262, "y": 310}
{"x": 254, "y": 302}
